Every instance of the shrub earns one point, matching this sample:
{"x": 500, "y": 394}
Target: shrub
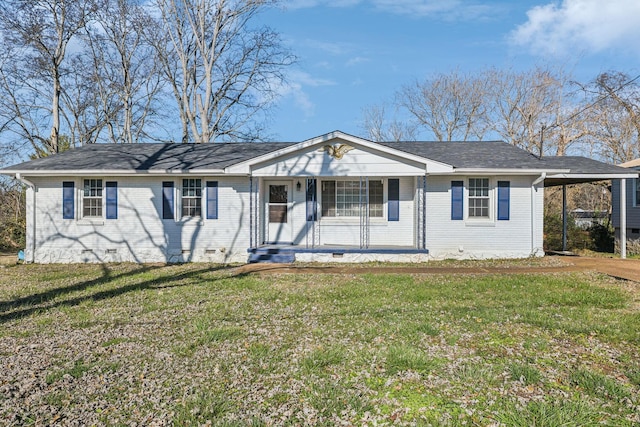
{"x": 603, "y": 237}
{"x": 576, "y": 237}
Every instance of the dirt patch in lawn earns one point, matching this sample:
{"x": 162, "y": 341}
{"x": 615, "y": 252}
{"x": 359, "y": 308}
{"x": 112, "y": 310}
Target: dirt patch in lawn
{"x": 8, "y": 258}
{"x": 628, "y": 269}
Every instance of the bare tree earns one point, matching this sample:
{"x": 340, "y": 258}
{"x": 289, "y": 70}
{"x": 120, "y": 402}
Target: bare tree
{"x": 120, "y": 71}
{"x": 615, "y": 116}
{"x": 223, "y": 73}
{"x": 450, "y": 106}
{"x": 378, "y": 127}
{"x": 523, "y": 103}
{"x": 43, "y": 30}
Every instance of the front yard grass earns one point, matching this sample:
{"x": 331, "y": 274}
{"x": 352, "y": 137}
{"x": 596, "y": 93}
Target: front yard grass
{"x": 190, "y": 344}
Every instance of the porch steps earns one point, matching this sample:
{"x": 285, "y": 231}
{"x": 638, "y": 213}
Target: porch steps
{"x": 272, "y": 255}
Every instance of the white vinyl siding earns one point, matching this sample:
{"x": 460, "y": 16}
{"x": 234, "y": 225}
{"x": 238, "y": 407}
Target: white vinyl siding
{"x": 140, "y": 234}
{"x": 482, "y": 237}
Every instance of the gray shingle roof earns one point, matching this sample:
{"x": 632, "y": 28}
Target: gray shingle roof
{"x": 149, "y": 157}
{"x": 483, "y": 155}
{"x": 217, "y": 156}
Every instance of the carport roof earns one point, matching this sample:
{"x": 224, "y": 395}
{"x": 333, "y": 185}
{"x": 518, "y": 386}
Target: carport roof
{"x": 583, "y": 169}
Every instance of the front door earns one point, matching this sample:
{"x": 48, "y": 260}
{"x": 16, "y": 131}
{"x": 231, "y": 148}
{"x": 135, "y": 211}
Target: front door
{"x": 279, "y": 224}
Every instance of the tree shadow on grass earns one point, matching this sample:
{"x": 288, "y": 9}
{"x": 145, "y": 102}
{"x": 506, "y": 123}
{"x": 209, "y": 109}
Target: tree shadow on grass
{"x": 43, "y": 301}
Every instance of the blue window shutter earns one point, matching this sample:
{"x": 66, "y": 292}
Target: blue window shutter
{"x": 112, "y": 199}
{"x": 503, "y": 200}
{"x": 212, "y": 199}
{"x": 394, "y": 200}
{"x": 457, "y": 200}
{"x": 68, "y": 200}
{"x": 312, "y": 198}
{"x": 167, "y": 200}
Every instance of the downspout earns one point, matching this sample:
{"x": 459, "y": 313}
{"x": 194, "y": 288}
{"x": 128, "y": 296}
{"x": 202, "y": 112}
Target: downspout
{"x": 32, "y": 242}
{"x": 537, "y": 181}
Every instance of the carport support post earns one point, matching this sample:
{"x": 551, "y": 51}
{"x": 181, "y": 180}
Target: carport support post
{"x": 623, "y": 218}
{"x": 564, "y": 217}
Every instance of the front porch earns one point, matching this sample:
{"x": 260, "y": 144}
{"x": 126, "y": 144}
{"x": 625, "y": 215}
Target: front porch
{"x": 335, "y": 253}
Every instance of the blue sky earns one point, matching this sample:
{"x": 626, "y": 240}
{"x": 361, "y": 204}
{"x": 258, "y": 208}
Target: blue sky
{"x": 357, "y": 53}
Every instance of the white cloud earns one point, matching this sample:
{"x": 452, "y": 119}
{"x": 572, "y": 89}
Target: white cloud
{"x": 334, "y": 48}
{"x": 357, "y": 60}
{"x": 589, "y": 25}
{"x": 302, "y": 4}
{"x": 295, "y": 88}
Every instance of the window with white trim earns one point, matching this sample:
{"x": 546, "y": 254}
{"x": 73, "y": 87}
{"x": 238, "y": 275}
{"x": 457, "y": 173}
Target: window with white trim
{"x": 343, "y": 198}
{"x": 191, "y": 197}
{"x": 479, "y": 200}
{"x": 92, "y": 198}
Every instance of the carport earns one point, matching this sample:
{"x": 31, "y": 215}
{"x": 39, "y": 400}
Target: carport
{"x": 584, "y": 170}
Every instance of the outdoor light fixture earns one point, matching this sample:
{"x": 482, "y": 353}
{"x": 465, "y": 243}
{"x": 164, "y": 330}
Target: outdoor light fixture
{"x": 298, "y": 185}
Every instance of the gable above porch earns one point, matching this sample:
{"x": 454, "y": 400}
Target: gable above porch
{"x": 339, "y": 154}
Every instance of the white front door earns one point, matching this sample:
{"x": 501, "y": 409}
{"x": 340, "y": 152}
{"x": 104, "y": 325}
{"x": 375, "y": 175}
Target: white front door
{"x": 278, "y": 215}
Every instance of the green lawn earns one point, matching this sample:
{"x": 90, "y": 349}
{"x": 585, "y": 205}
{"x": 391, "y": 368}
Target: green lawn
{"x": 183, "y": 345}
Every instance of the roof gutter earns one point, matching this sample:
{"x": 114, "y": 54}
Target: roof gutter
{"x": 602, "y": 176}
{"x": 506, "y": 171}
{"x": 30, "y": 236}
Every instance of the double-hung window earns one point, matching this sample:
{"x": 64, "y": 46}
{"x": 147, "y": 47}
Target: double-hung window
{"x": 92, "y": 198}
{"x": 348, "y": 198}
{"x": 191, "y": 197}
{"x": 479, "y": 200}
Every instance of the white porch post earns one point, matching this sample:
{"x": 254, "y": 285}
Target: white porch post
{"x": 564, "y": 217}
{"x": 623, "y": 218}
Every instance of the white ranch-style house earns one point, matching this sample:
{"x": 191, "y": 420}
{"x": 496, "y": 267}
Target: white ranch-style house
{"x": 335, "y": 197}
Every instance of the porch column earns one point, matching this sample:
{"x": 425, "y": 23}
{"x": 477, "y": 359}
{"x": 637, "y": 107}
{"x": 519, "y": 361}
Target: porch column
{"x": 251, "y": 212}
{"x": 564, "y": 217}
{"x": 623, "y": 218}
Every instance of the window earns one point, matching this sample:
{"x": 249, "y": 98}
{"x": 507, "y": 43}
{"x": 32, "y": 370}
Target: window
{"x": 637, "y": 191}
{"x": 343, "y": 198}
{"x": 478, "y": 197}
{"x": 92, "y": 198}
{"x": 191, "y": 197}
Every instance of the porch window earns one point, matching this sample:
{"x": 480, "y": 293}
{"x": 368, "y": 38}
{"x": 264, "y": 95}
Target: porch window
{"x": 92, "y": 198}
{"x": 191, "y": 197}
{"x": 342, "y": 198}
{"x": 478, "y": 197}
